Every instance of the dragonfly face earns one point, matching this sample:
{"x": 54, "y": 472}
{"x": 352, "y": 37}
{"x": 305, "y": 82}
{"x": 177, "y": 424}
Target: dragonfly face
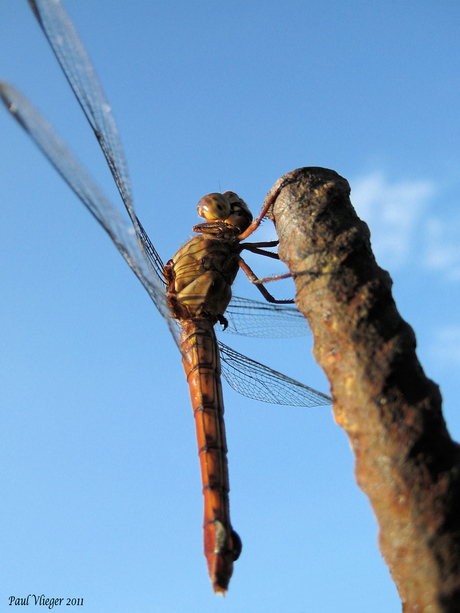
{"x": 227, "y": 207}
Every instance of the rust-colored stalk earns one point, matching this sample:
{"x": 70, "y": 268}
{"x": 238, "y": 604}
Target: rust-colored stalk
{"x": 406, "y": 462}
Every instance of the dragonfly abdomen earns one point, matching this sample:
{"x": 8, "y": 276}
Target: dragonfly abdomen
{"x": 222, "y": 545}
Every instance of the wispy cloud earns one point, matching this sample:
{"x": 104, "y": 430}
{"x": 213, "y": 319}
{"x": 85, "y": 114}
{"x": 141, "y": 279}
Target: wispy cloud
{"x": 411, "y": 224}
{"x": 394, "y": 213}
{"x": 442, "y": 253}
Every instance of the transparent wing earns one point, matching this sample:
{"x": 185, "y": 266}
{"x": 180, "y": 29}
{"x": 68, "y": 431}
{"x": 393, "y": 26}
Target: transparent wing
{"x": 245, "y": 317}
{"x": 81, "y": 75}
{"x": 264, "y": 319}
{"x": 152, "y": 254}
{"x": 246, "y": 376}
{"x": 121, "y": 233}
{"x": 259, "y": 382}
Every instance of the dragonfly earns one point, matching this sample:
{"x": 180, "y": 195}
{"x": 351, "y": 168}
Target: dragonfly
{"x": 192, "y": 291}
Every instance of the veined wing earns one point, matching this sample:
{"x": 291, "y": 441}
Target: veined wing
{"x": 264, "y": 319}
{"x": 81, "y": 75}
{"x": 246, "y": 376}
{"x": 254, "y": 318}
{"x": 65, "y": 162}
{"x": 256, "y": 381}
{"x": 152, "y": 253}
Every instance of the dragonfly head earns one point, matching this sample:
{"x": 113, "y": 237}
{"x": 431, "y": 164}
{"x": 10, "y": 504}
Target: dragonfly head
{"x": 227, "y": 207}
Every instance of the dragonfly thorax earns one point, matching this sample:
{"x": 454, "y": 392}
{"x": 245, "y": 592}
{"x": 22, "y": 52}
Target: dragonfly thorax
{"x": 200, "y": 276}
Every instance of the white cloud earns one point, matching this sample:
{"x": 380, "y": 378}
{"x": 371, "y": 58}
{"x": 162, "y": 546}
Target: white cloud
{"x": 442, "y": 247}
{"x": 394, "y": 213}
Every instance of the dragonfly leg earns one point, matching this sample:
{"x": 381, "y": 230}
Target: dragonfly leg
{"x": 264, "y": 244}
{"x": 259, "y": 283}
{"x": 287, "y": 275}
{"x": 256, "y": 248}
{"x": 256, "y": 223}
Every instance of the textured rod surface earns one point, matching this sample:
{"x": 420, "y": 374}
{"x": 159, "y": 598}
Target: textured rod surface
{"x": 406, "y": 462}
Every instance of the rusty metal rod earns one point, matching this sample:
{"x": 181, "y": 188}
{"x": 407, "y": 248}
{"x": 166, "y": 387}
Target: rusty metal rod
{"x": 406, "y": 462}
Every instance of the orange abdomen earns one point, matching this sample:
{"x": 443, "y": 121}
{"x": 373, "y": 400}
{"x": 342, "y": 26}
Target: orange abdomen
{"x": 222, "y": 545}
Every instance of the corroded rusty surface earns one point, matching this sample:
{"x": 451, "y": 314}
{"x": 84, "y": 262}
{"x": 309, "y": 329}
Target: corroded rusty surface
{"x": 406, "y": 462}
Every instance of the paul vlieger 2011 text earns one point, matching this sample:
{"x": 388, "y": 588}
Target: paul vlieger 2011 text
{"x": 44, "y": 601}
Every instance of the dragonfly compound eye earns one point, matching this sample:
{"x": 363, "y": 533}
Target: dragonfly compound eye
{"x": 240, "y": 216}
{"x": 213, "y": 207}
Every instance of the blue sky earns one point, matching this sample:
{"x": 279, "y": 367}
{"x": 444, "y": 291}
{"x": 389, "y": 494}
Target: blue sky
{"x": 100, "y": 478}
